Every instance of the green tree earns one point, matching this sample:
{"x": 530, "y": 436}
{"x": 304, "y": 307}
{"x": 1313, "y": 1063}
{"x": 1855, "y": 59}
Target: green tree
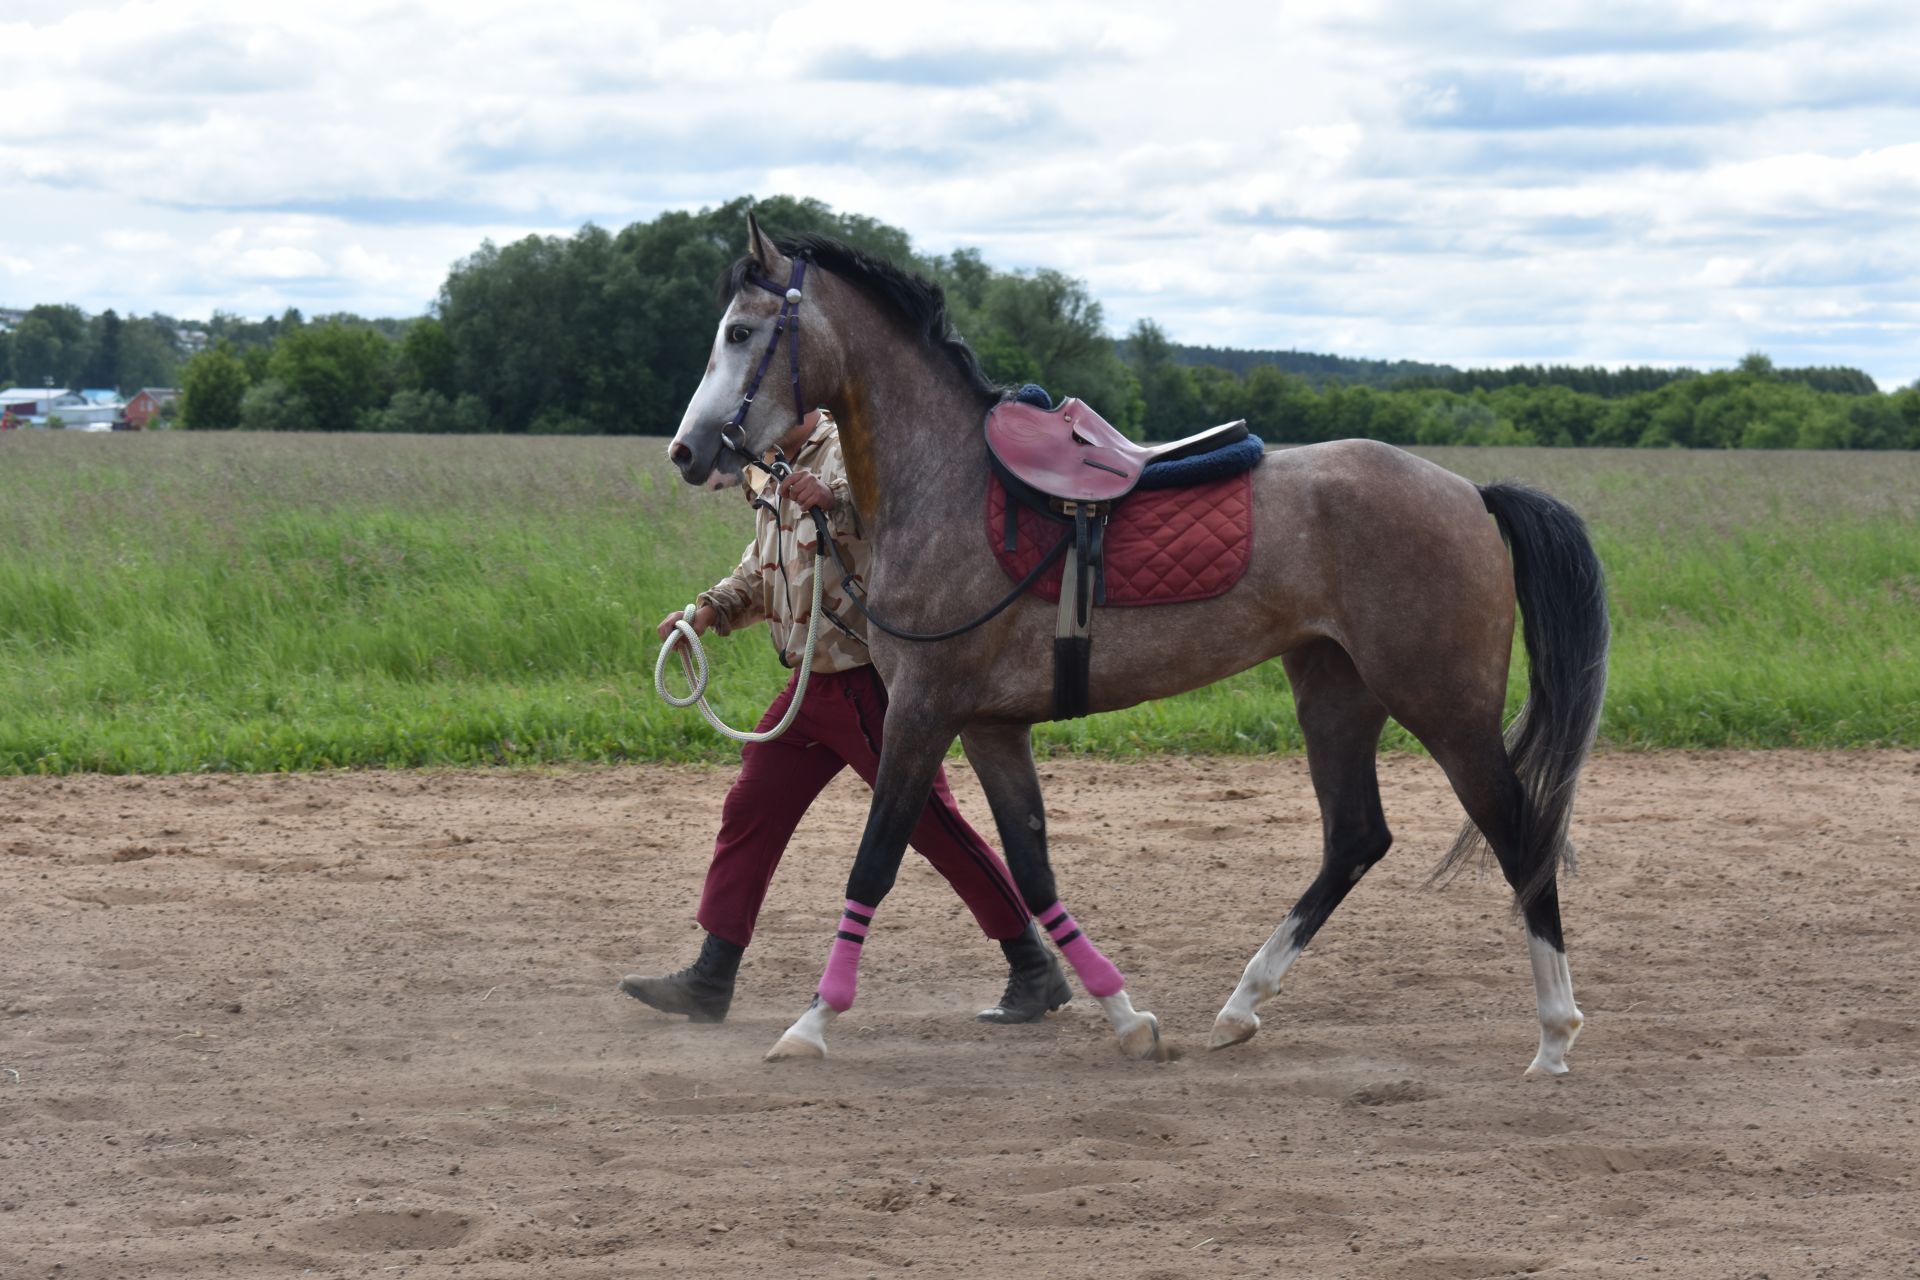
{"x": 1551, "y": 413}
{"x": 426, "y": 358}
{"x": 1447, "y": 418}
{"x": 1280, "y": 408}
{"x": 427, "y": 412}
{"x": 1223, "y": 397}
{"x": 611, "y": 333}
{"x": 1174, "y": 407}
{"x": 213, "y": 384}
{"x": 1906, "y": 403}
{"x": 259, "y": 362}
{"x": 526, "y": 331}
{"x": 1053, "y": 318}
{"x": 271, "y": 405}
{"x": 50, "y": 345}
{"x": 965, "y": 275}
{"x": 148, "y": 355}
{"x": 102, "y": 366}
{"x": 335, "y": 371}
{"x": 1005, "y": 361}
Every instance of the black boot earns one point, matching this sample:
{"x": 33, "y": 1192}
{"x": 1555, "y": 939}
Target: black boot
{"x": 1036, "y": 986}
{"x": 703, "y": 990}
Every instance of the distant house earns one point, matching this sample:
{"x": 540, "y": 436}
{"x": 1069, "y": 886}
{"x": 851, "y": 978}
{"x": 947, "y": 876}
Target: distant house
{"x": 38, "y": 406}
{"x": 30, "y": 402}
{"x": 143, "y": 408}
{"x": 11, "y": 319}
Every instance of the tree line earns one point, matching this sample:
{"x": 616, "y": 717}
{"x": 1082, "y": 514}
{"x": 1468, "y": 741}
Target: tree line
{"x": 1752, "y": 406}
{"x": 64, "y": 346}
{"x": 608, "y": 332}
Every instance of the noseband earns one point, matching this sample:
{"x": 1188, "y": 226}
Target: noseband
{"x": 733, "y": 435}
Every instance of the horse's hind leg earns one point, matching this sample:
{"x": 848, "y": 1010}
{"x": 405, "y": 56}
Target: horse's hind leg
{"x": 1341, "y": 720}
{"x": 1484, "y": 779}
{"x": 1002, "y": 758}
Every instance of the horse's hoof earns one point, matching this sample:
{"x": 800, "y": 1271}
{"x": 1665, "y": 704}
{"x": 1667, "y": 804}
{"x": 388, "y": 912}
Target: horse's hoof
{"x": 1555, "y": 1039}
{"x": 1142, "y": 1040}
{"x": 792, "y": 1048}
{"x": 1231, "y": 1031}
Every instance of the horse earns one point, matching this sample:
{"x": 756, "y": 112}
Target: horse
{"x": 1376, "y": 577}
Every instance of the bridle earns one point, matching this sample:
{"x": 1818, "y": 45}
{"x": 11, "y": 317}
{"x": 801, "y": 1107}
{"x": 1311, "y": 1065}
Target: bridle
{"x": 733, "y": 438}
{"x": 733, "y": 434}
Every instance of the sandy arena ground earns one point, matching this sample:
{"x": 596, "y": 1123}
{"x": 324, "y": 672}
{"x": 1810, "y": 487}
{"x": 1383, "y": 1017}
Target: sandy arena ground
{"x": 366, "y": 1025}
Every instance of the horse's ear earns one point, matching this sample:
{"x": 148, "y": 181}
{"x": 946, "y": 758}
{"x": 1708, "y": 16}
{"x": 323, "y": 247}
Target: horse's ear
{"x": 759, "y": 247}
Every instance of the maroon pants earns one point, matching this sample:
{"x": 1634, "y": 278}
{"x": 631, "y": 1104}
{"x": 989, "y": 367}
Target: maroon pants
{"x": 838, "y": 725}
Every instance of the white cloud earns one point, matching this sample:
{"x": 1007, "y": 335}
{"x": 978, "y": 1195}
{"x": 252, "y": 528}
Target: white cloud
{"x": 1434, "y": 179}
{"x": 137, "y": 241}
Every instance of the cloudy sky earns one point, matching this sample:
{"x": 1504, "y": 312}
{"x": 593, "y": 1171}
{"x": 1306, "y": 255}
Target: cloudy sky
{"x": 1482, "y": 182}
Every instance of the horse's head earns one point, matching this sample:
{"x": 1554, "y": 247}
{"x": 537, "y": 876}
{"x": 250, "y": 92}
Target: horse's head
{"x": 754, "y": 355}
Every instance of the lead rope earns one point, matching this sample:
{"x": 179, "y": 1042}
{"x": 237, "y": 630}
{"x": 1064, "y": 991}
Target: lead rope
{"x": 693, "y": 656}
{"x": 693, "y": 660}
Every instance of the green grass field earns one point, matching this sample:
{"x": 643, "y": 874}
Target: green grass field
{"x": 174, "y": 602}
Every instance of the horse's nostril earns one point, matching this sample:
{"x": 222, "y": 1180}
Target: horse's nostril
{"x": 679, "y": 454}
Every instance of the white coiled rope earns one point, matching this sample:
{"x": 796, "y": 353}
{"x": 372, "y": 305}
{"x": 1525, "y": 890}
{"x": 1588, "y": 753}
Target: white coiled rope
{"x": 696, "y": 665}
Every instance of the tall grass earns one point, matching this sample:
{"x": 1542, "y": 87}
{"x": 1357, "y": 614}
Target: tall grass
{"x": 176, "y": 602}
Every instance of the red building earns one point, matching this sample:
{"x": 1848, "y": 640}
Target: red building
{"x": 142, "y": 408}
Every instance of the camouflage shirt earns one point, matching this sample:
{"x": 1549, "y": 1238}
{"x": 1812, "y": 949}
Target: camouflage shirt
{"x": 758, "y": 591}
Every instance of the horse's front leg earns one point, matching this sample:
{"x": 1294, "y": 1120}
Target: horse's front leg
{"x": 1002, "y": 757}
{"x": 912, "y": 747}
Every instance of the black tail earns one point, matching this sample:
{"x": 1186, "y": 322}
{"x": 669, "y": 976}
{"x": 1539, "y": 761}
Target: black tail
{"x": 1562, "y": 592}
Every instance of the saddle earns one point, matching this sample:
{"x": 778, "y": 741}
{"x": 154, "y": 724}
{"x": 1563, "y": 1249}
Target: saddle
{"x": 1072, "y": 454}
{"x": 1072, "y": 466}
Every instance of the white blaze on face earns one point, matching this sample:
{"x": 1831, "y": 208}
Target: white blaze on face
{"x": 729, "y": 366}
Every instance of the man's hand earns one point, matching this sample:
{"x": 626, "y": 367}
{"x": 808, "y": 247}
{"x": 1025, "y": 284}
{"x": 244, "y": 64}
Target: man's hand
{"x": 702, "y": 621}
{"x": 806, "y": 488}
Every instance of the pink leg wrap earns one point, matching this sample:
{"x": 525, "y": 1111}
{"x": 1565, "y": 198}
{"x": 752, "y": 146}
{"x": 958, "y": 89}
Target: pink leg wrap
{"x": 843, "y": 962}
{"x": 1097, "y": 973}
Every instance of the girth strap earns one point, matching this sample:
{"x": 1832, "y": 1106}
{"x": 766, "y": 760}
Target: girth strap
{"x": 1082, "y": 585}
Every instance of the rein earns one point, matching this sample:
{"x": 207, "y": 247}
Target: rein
{"x": 857, "y": 593}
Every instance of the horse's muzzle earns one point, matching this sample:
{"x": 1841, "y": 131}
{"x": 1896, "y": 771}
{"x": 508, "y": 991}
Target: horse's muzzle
{"x": 693, "y": 469}
{"x": 720, "y": 470}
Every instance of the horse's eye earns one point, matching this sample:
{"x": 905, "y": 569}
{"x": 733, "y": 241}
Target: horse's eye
{"x": 737, "y": 333}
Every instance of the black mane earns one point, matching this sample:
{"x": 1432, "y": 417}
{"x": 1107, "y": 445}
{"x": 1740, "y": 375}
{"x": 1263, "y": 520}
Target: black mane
{"x": 914, "y": 298}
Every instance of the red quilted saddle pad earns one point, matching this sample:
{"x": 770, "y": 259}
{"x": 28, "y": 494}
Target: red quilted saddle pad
{"x": 1164, "y": 546}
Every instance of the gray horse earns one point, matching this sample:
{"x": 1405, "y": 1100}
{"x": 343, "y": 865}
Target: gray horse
{"x": 1376, "y": 578}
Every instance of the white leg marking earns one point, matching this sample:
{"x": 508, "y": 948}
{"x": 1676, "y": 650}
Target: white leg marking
{"x": 1240, "y": 1017}
{"x": 1560, "y": 1018}
{"x": 1139, "y": 1031}
{"x": 806, "y": 1038}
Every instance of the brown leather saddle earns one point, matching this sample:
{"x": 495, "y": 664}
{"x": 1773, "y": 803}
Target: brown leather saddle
{"x": 1072, "y": 454}
{"x": 1075, "y": 466}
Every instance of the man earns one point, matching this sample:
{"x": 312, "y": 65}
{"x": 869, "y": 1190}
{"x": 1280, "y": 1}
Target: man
{"x": 839, "y": 724}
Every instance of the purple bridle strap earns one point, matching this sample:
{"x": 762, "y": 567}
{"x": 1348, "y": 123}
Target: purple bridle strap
{"x": 788, "y": 322}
